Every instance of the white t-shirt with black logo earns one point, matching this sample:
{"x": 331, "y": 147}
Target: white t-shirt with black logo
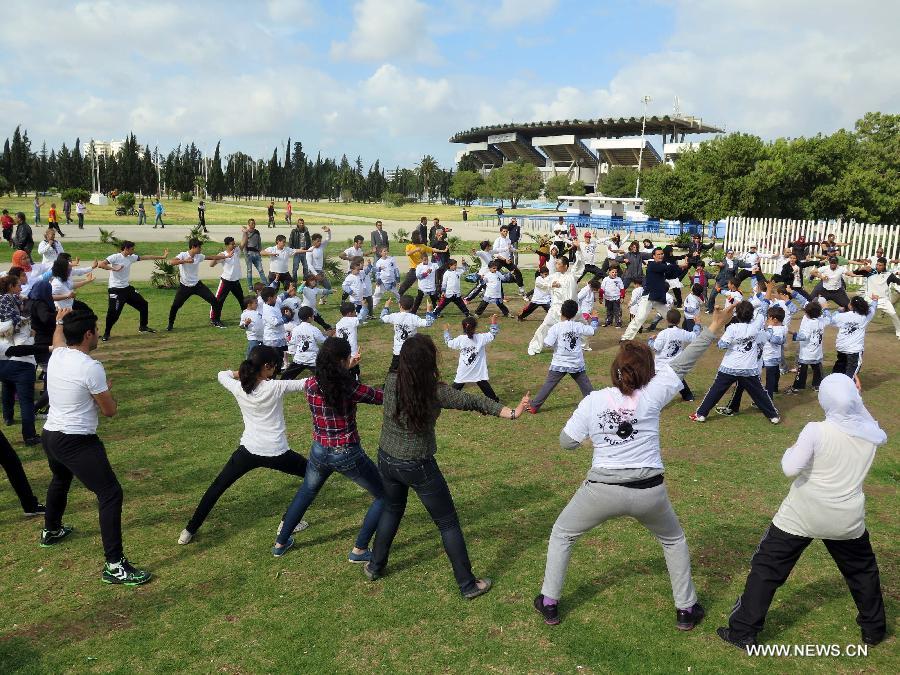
{"x": 306, "y": 338}
{"x": 347, "y": 328}
{"x": 190, "y": 272}
{"x": 406, "y": 324}
{"x": 472, "y": 366}
{"x": 73, "y": 378}
{"x": 565, "y": 338}
{"x": 122, "y": 278}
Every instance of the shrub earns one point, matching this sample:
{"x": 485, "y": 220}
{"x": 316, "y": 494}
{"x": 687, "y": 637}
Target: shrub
{"x": 164, "y": 276}
{"x": 109, "y": 237}
{"x": 402, "y": 235}
{"x": 74, "y": 194}
{"x": 394, "y": 199}
{"x": 187, "y": 197}
{"x": 197, "y": 233}
{"x": 126, "y": 199}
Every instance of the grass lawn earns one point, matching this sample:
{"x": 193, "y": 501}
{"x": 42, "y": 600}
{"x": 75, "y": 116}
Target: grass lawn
{"x": 229, "y": 212}
{"x": 223, "y": 604}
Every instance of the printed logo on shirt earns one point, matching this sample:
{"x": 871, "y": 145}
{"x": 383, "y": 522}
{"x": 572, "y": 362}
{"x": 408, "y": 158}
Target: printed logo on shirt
{"x": 672, "y": 349}
{"x": 470, "y": 355}
{"x": 404, "y": 333}
{"x": 849, "y": 328}
{"x": 343, "y": 333}
{"x": 745, "y": 344}
{"x": 617, "y": 426}
{"x": 305, "y": 344}
{"x": 571, "y": 340}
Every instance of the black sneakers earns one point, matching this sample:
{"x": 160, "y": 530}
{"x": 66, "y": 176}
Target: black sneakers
{"x": 52, "y": 537}
{"x": 687, "y": 619}
{"x": 105, "y": 338}
{"x": 170, "y": 328}
{"x": 732, "y": 639}
{"x": 873, "y": 639}
{"x": 123, "y": 572}
{"x": 549, "y": 612}
{"x": 34, "y": 440}
{"x": 38, "y": 510}
{"x": 145, "y": 329}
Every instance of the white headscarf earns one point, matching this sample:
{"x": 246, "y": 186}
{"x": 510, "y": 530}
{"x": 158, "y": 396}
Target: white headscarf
{"x": 844, "y": 408}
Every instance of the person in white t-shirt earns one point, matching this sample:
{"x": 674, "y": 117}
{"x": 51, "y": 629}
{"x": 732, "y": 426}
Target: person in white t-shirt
{"x": 493, "y": 289}
{"x": 264, "y": 443}
{"x": 252, "y": 322}
{"x": 829, "y": 462}
{"x": 405, "y": 323}
{"x": 483, "y": 254}
{"x": 315, "y": 261}
{"x": 49, "y": 248}
{"x": 347, "y": 328}
{"x": 281, "y": 258}
{"x": 189, "y": 270}
{"x": 472, "y": 366}
{"x": 612, "y": 289}
{"x": 669, "y": 343}
{"x": 851, "y": 337}
{"x": 305, "y": 340}
{"x": 78, "y": 388}
{"x": 387, "y": 276}
{"x": 450, "y": 287}
{"x": 355, "y": 251}
{"x": 229, "y": 280}
{"x": 121, "y": 292}
{"x": 565, "y": 338}
{"x": 540, "y": 296}
{"x": 426, "y": 278}
{"x": 831, "y": 283}
{"x": 64, "y": 287}
{"x": 626, "y": 476}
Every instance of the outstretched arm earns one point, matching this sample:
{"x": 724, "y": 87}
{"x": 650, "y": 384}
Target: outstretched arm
{"x": 685, "y": 362}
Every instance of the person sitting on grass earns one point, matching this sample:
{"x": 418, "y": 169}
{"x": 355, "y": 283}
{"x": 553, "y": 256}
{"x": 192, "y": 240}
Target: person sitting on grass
{"x": 829, "y": 462}
{"x": 626, "y": 476}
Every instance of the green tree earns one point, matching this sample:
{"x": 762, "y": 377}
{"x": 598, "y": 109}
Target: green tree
{"x": 515, "y": 181}
{"x": 556, "y": 186}
{"x": 619, "y": 181}
{"x": 427, "y": 168}
{"x": 20, "y": 161}
{"x": 465, "y": 186}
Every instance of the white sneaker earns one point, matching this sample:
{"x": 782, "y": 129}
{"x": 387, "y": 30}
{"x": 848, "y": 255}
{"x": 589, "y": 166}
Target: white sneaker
{"x": 302, "y": 525}
{"x": 587, "y": 349}
{"x": 185, "y": 537}
{"x": 775, "y": 420}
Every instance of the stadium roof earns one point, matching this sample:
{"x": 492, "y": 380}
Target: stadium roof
{"x": 609, "y": 128}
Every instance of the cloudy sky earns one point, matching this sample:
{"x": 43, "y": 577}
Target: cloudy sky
{"x": 393, "y": 79}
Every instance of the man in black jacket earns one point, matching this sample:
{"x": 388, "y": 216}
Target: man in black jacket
{"x": 299, "y": 239}
{"x": 23, "y": 240}
{"x": 696, "y": 248}
{"x": 656, "y": 285}
{"x": 379, "y": 239}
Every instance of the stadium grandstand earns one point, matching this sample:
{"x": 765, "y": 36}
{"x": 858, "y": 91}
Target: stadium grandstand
{"x": 582, "y": 149}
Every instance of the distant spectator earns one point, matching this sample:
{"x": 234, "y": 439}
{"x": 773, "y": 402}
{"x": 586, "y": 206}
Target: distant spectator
{"x": 7, "y": 222}
{"x": 37, "y": 209}
{"x": 67, "y": 210}
{"x": 80, "y": 210}
{"x": 23, "y": 240}
{"x": 159, "y": 214}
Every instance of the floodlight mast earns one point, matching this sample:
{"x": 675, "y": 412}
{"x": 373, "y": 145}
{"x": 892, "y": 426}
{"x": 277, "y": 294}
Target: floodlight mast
{"x": 637, "y": 187}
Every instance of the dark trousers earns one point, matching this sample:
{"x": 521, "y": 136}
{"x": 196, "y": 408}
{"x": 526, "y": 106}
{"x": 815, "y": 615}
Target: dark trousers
{"x": 408, "y": 281}
{"x": 686, "y": 393}
{"x": 185, "y": 292}
{"x": 751, "y": 383}
{"x": 322, "y": 322}
{"x": 772, "y": 563}
{"x": 10, "y": 462}
{"x": 848, "y": 364}
{"x": 553, "y": 378}
{"x": 226, "y": 287}
{"x": 395, "y": 363}
{"x": 517, "y": 275}
{"x": 838, "y": 297}
{"x": 688, "y": 324}
{"x": 118, "y": 298}
{"x": 81, "y": 224}
{"x": 243, "y": 461}
{"x": 531, "y": 306}
{"x": 800, "y": 380}
{"x": 485, "y": 387}
{"x": 773, "y": 376}
{"x": 483, "y": 306}
{"x": 17, "y": 378}
{"x": 613, "y": 312}
{"x": 54, "y": 225}
{"x": 425, "y": 478}
{"x": 84, "y": 457}
{"x": 746, "y": 274}
{"x": 293, "y": 370}
{"x": 419, "y": 297}
{"x": 476, "y": 289}
{"x": 283, "y": 279}
{"x": 593, "y": 270}
{"x": 456, "y": 300}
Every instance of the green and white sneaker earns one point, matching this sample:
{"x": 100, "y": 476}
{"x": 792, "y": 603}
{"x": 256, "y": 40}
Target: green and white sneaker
{"x": 123, "y": 572}
{"x": 51, "y": 537}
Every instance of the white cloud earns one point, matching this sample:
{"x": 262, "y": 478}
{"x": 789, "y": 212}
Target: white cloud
{"x": 516, "y": 11}
{"x": 299, "y": 12}
{"x": 384, "y": 31}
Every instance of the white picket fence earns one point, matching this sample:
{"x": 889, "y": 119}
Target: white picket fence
{"x": 772, "y": 236}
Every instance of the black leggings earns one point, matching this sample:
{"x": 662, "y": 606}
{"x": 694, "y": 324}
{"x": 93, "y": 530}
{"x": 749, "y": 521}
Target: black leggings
{"x": 84, "y": 457}
{"x": 185, "y": 292}
{"x": 485, "y": 387}
{"x": 531, "y": 306}
{"x": 455, "y": 300}
{"x": 408, "y": 281}
{"x": 419, "y": 296}
{"x": 425, "y": 477}
{"x": 11, "y": 463}
{"x": 242, "y": 461}
{"x": 476, "y": 289}
{"x": 293, "y": 370}
{"x": 517, "y": 275}
{"x": 118, "y": 298}
{"x": 484, "y": 303}
{"x": 847, "y": 364}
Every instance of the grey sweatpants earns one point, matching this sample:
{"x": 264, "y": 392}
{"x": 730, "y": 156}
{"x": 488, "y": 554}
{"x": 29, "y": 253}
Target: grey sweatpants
{"x": 595, "y": 503}
{"x": 553, "y": 379}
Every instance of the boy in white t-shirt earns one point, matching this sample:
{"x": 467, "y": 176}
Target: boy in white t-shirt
{"x": 281, "y": 258}
{"x": 493, "y": 289}
{"x": 387, "y": 276}
{"x": 315, "y": 261}
{"x": 229, "y": 280}
{"x": 568, "y": 353}
{"x": 540, "y": 297}
{"x": 472, "y": 366}
{"x": 405, "y": 323}
{"x": 450, "y": 285}
{"x": 353, "y": 287}
{"x": 670, "y": 342}
{"x": 189, "y": 272}
{"x": 310, "y": 292}
{"x": 252, "y": 322}
{"x": 347, "y": 328}
{"x": 613, "y": 290}
{"x": 274, "y": 334}
{"x": 426, "y": 276}
{"x": 121, "y": 292}
{"x": 305, "y": 340}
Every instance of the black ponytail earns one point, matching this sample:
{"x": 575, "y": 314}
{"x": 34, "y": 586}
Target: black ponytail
{"x": 469, "y": 324}
{"x": 259, "y": 357}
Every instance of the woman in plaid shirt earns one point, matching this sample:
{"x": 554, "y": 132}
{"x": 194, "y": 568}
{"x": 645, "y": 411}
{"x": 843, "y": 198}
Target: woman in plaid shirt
{"x": 332, "y": 396}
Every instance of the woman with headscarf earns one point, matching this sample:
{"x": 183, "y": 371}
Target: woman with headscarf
{"x": 830, "y": 460}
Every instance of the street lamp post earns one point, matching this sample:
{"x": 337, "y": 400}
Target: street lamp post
{"x": 637, "y": 188}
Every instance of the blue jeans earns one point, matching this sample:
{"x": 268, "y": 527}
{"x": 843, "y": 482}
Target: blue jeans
{"x": 250, "y": 345}
{"x": 353, "y": 463}
{"x": 254, "y": 259}
{"x": 299, "y": 260}
{"x": 18, "y": 379}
